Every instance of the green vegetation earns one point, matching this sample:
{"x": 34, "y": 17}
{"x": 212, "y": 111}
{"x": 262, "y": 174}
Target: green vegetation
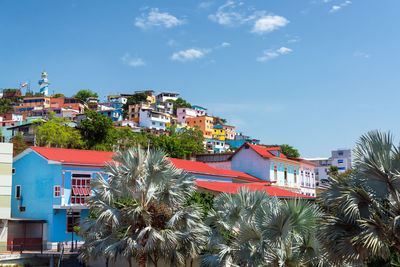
{"x": 179, "y": 103}
{"x": 333, "y": 170}
{"x": 31, "y": 94}
{"x": 362, "y": 224}
{"x": 5, "y": 105}
{"x": 133, "y": 100}
{"x": 84, "y": 94}
{"x": 203, "y": 199}
{"x": 254, "y": 229}
{"x": 288, "y": 150}
{"x": 58, "y": 95}
{"x": 142, "y": 213}
{"x": 218, "y": 120}
{"x": 98, "y": 132}
{"x": 19, "y": 144}
{"x": 55, "y": 132}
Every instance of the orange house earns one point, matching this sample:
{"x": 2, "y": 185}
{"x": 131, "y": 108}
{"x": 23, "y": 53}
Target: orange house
{"x": 204, "y": 123}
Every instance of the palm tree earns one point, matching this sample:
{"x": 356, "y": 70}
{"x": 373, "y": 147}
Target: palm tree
{"x": 138, "y": 212}
{"x": 364, "y": 207}
{"x": 254, "y": 229}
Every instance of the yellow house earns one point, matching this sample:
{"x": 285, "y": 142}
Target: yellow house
{"x": 218, "y": 133}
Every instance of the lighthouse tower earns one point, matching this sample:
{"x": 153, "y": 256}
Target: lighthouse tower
{"x": 44, "y": 84}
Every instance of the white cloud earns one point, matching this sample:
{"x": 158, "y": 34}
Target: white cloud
{"x": 189, "y": 54}
{"x": 171, "y": 42}
{"x": 132, "y": 61}
{"x": 270, "y": 54}
{"x": 157, "y": 19}
{"x": 336, "y": 8}
{"x": 232, "y": 13}
{"x": 362, "y": 54}
{"x": 205, "y": 4}
{"x": 226, "y": 15}
{"x": 268, "y": 24}
{"x": 224, "y": 44}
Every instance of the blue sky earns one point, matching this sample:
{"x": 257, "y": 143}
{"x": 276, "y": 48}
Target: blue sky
{"x": 315, "y": 74}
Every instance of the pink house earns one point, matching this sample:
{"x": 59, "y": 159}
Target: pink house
{"x": 184, "y": 113}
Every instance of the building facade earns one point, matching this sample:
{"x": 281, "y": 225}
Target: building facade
{"x": 230, "y": 132}
{"x": 184, "y": 113}
{"x": 270, "y": 164}
{"x": 52, "y": 185}
{"x": 204, "y": 123}
{"x": 151, "y": 119}
{"x": 218, "y": 133}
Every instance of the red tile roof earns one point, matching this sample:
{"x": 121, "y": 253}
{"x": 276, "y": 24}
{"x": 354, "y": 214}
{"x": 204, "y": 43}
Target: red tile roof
{"x": 75, "y": 156}
{"x": 90, "y": 157}
{"x": 265, "y": 151}
{"x": 234, "y": 187}
{"x": 200, "y": 167}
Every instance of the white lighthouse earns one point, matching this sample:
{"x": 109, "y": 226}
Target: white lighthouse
{"x": 44, "y": 84}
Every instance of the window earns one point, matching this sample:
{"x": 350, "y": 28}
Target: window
{"x": 275, "y": 172}
{"x": 340, "y": 161}
{"x": 73, "y": 219}
{"x": 295, "y": 175}
{"x": 340, "y": 153}
{"x": 285, "y": 175}
{"x": 80, "y": 188}
{"x": 17, "y": 191}
{"x": 57, "y": 191}
{"x": 13, "y": 171}
{"x": 153, "y": 123}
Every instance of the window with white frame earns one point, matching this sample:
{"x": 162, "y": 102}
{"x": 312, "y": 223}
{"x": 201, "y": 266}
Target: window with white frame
{"x": 57, "y": 191}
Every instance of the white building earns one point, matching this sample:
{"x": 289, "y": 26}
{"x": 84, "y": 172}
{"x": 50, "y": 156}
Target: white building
{"x": 165, "y": 96}
{"x": 6, "y": 159}
{"x": 151, "y": 119}
{"x": 340, "y": 158}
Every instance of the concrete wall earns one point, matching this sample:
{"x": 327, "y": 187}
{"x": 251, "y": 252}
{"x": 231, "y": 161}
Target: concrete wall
{"x": 220, "y": 164}
{"x": 6, "y": 156}
{"x": 248, "y": 161}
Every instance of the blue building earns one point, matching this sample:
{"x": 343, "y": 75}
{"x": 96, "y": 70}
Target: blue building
{"x": 113, "y": 113}
{"x": 51, "y": 185}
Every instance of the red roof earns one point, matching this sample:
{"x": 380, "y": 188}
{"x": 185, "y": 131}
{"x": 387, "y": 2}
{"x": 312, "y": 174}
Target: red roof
{"x": 87, "y": 157}
{"x": 200, "y": 167}
{"x": 234, "y": 187}
{"x": 265, "y": 151}
{"x": 90, "y": 157}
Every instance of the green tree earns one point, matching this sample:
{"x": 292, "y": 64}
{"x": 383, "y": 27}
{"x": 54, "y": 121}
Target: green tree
{"x": 203, "y": 199}
{"x": 142, "y": 213}
{"x": 287, "y": 150}
{"x": 133, "y": 100}
{"x": 98, "y": 132}
{"x": 31, "y": 94}
{"x": 5, "y": 105}
{"x": 179, "y": 103}
{"x": 333, "y": 170}
{"x": 185, "y": 144}
{"x": 55, "y": 132}
{"x": 254, "y": 229}
{"x": 363, "y": 223}
{"x": 84, "y": 94}
{"x": 58, "y": 95}
{"x": 19, "y": 144}
{"x": 218, "y": 120}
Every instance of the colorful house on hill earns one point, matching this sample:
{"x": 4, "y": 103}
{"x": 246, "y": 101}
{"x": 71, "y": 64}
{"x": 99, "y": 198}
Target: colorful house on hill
{"x": 218, "y": 133}
{"x": 204, "y": 123}
{"x": 270, "y": 164}
{"x": 51, "y": 185}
